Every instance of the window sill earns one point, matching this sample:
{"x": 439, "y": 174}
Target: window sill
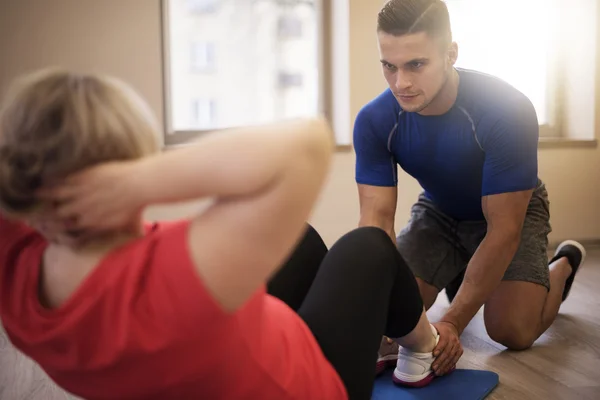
{"x": 183, "y": 138}
{"x": 567, "y": 143}
{"x": 544, "y": 143}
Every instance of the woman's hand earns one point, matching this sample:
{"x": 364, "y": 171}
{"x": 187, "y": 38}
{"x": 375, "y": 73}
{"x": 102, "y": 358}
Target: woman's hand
{"x": 101, "y": 198}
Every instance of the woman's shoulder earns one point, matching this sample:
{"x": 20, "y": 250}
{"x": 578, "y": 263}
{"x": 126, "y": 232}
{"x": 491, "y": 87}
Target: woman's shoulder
{"x": 13, "y": 233}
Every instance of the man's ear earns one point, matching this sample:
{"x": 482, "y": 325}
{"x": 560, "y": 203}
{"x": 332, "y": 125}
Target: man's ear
{"x": 452, "y": 53}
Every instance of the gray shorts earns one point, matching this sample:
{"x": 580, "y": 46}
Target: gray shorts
{"x": 438, "y": 248}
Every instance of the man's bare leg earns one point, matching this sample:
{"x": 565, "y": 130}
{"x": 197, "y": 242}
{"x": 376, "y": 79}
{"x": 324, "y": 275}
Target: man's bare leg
{"x": 518, "y": 313}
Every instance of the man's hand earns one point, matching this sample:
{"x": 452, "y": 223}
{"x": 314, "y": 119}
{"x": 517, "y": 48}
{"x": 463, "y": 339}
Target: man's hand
{"x": 449, "y": 349}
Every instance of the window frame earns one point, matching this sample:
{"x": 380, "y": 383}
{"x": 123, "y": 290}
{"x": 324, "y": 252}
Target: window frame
{"x": 172, "y": 137}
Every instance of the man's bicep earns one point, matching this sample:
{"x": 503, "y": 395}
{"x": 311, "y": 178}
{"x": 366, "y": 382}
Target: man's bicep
{"x": 511, "y": 153}
{"x": 378, "y": 206}
{"x": 375, "y": 164}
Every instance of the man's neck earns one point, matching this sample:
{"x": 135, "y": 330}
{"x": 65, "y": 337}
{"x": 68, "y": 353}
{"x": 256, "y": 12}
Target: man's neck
{"x": 446, "y": 97}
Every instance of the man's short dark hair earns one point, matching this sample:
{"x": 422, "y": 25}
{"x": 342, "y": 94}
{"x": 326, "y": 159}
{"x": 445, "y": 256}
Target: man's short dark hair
{"x": 402, "y": 17}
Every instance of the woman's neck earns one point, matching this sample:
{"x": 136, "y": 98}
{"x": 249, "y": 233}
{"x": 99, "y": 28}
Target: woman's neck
{"x": 65, "y": 266}
{"x": 82, "y": 241}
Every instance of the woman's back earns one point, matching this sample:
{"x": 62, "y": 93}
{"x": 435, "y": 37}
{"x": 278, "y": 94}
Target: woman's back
{"x": 142, "y": 325}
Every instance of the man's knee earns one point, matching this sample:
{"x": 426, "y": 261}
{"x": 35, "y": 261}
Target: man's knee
{"x": 515, "y": 336}
{"x": 513, "y": 314}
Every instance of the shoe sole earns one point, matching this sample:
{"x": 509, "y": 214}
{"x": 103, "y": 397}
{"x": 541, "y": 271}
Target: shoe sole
{"x": 415, "y": 382}
{"x": 412, "y": 381}
{"x": 385, "y": 362}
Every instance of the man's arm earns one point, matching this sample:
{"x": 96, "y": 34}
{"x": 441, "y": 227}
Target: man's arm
{"x": 509, "y": 140}
{"x": 375, "y": 174}
{"x": 378, "y": 207}
{"x": 505, "y": 215}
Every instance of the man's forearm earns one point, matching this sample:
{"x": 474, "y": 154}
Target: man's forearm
{"x": 385, "y": 225}
{"x": 483, "y": 274}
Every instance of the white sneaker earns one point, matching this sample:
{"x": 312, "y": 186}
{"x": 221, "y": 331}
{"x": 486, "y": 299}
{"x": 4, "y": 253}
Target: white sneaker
{"x": 414, "y": 369}
{"x": 387, "y": 355}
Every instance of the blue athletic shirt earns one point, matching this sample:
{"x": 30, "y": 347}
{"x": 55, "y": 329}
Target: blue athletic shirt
{"x": 484, "y": 145}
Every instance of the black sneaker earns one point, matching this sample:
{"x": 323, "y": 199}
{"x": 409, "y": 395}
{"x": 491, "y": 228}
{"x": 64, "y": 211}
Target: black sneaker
{"x": 575, "y": 253}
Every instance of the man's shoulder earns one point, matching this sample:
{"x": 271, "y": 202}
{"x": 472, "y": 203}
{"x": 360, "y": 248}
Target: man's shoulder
{"x": 383, "y": 108}
{"x": 376, "y": 120}
{"x": 487, "y": 96}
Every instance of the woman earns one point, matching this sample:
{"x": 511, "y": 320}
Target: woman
{"x": 112, "y": 308}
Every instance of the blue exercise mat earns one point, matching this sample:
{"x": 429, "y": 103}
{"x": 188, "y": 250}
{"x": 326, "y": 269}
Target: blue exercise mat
{"x": 462, "y": 384}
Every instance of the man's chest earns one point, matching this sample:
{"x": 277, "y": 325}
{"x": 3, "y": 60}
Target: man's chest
{"x": 437, "y": 148}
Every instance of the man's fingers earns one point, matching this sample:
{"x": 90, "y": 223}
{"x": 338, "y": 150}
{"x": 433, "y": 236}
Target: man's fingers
{"x": 453, "y": 357}
{"x": 439, "y": 349}
{"x": 441, "y": 359}
{"x": 444, "y": 354}
{"x": 451, "y": 360}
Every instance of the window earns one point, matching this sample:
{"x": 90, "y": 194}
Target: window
{"x": 203, "y": 114}
{"x": 202, "y": 56}
{"x": 290, "y": 27}
{"x": 202, "y": 6}
{"x": 514, "y": 46}
{"x": 287, "y": 80}
{"x": 260, "y": 76}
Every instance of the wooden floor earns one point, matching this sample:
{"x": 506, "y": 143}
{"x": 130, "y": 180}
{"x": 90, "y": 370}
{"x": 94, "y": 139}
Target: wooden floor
{"x": 564, "y": 363}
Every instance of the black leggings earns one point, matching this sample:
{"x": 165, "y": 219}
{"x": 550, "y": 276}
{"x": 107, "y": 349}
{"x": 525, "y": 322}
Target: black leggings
{"x": 350, "y": 296}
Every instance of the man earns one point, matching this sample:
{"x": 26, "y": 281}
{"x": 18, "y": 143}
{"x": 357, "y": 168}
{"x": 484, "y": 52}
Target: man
{"x": 470, "y": 140}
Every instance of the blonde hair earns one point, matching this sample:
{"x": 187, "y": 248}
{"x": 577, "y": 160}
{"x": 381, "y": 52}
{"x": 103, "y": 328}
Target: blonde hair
{"x": 55, "y": 122}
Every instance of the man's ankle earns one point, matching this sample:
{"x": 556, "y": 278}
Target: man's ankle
{"x": 562, "y": 267}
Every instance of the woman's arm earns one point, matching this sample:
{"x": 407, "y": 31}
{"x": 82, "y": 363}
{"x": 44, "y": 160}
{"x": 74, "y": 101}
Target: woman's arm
{"x": 232, "y": 163}
{"x": 265, "y": 181}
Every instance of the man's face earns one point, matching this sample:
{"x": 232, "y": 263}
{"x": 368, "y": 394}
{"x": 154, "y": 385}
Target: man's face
{"x": 415, "y": 67}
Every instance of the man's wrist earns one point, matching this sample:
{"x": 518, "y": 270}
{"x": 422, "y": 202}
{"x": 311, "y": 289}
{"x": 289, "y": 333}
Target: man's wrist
{"x": 454, "y": 322}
